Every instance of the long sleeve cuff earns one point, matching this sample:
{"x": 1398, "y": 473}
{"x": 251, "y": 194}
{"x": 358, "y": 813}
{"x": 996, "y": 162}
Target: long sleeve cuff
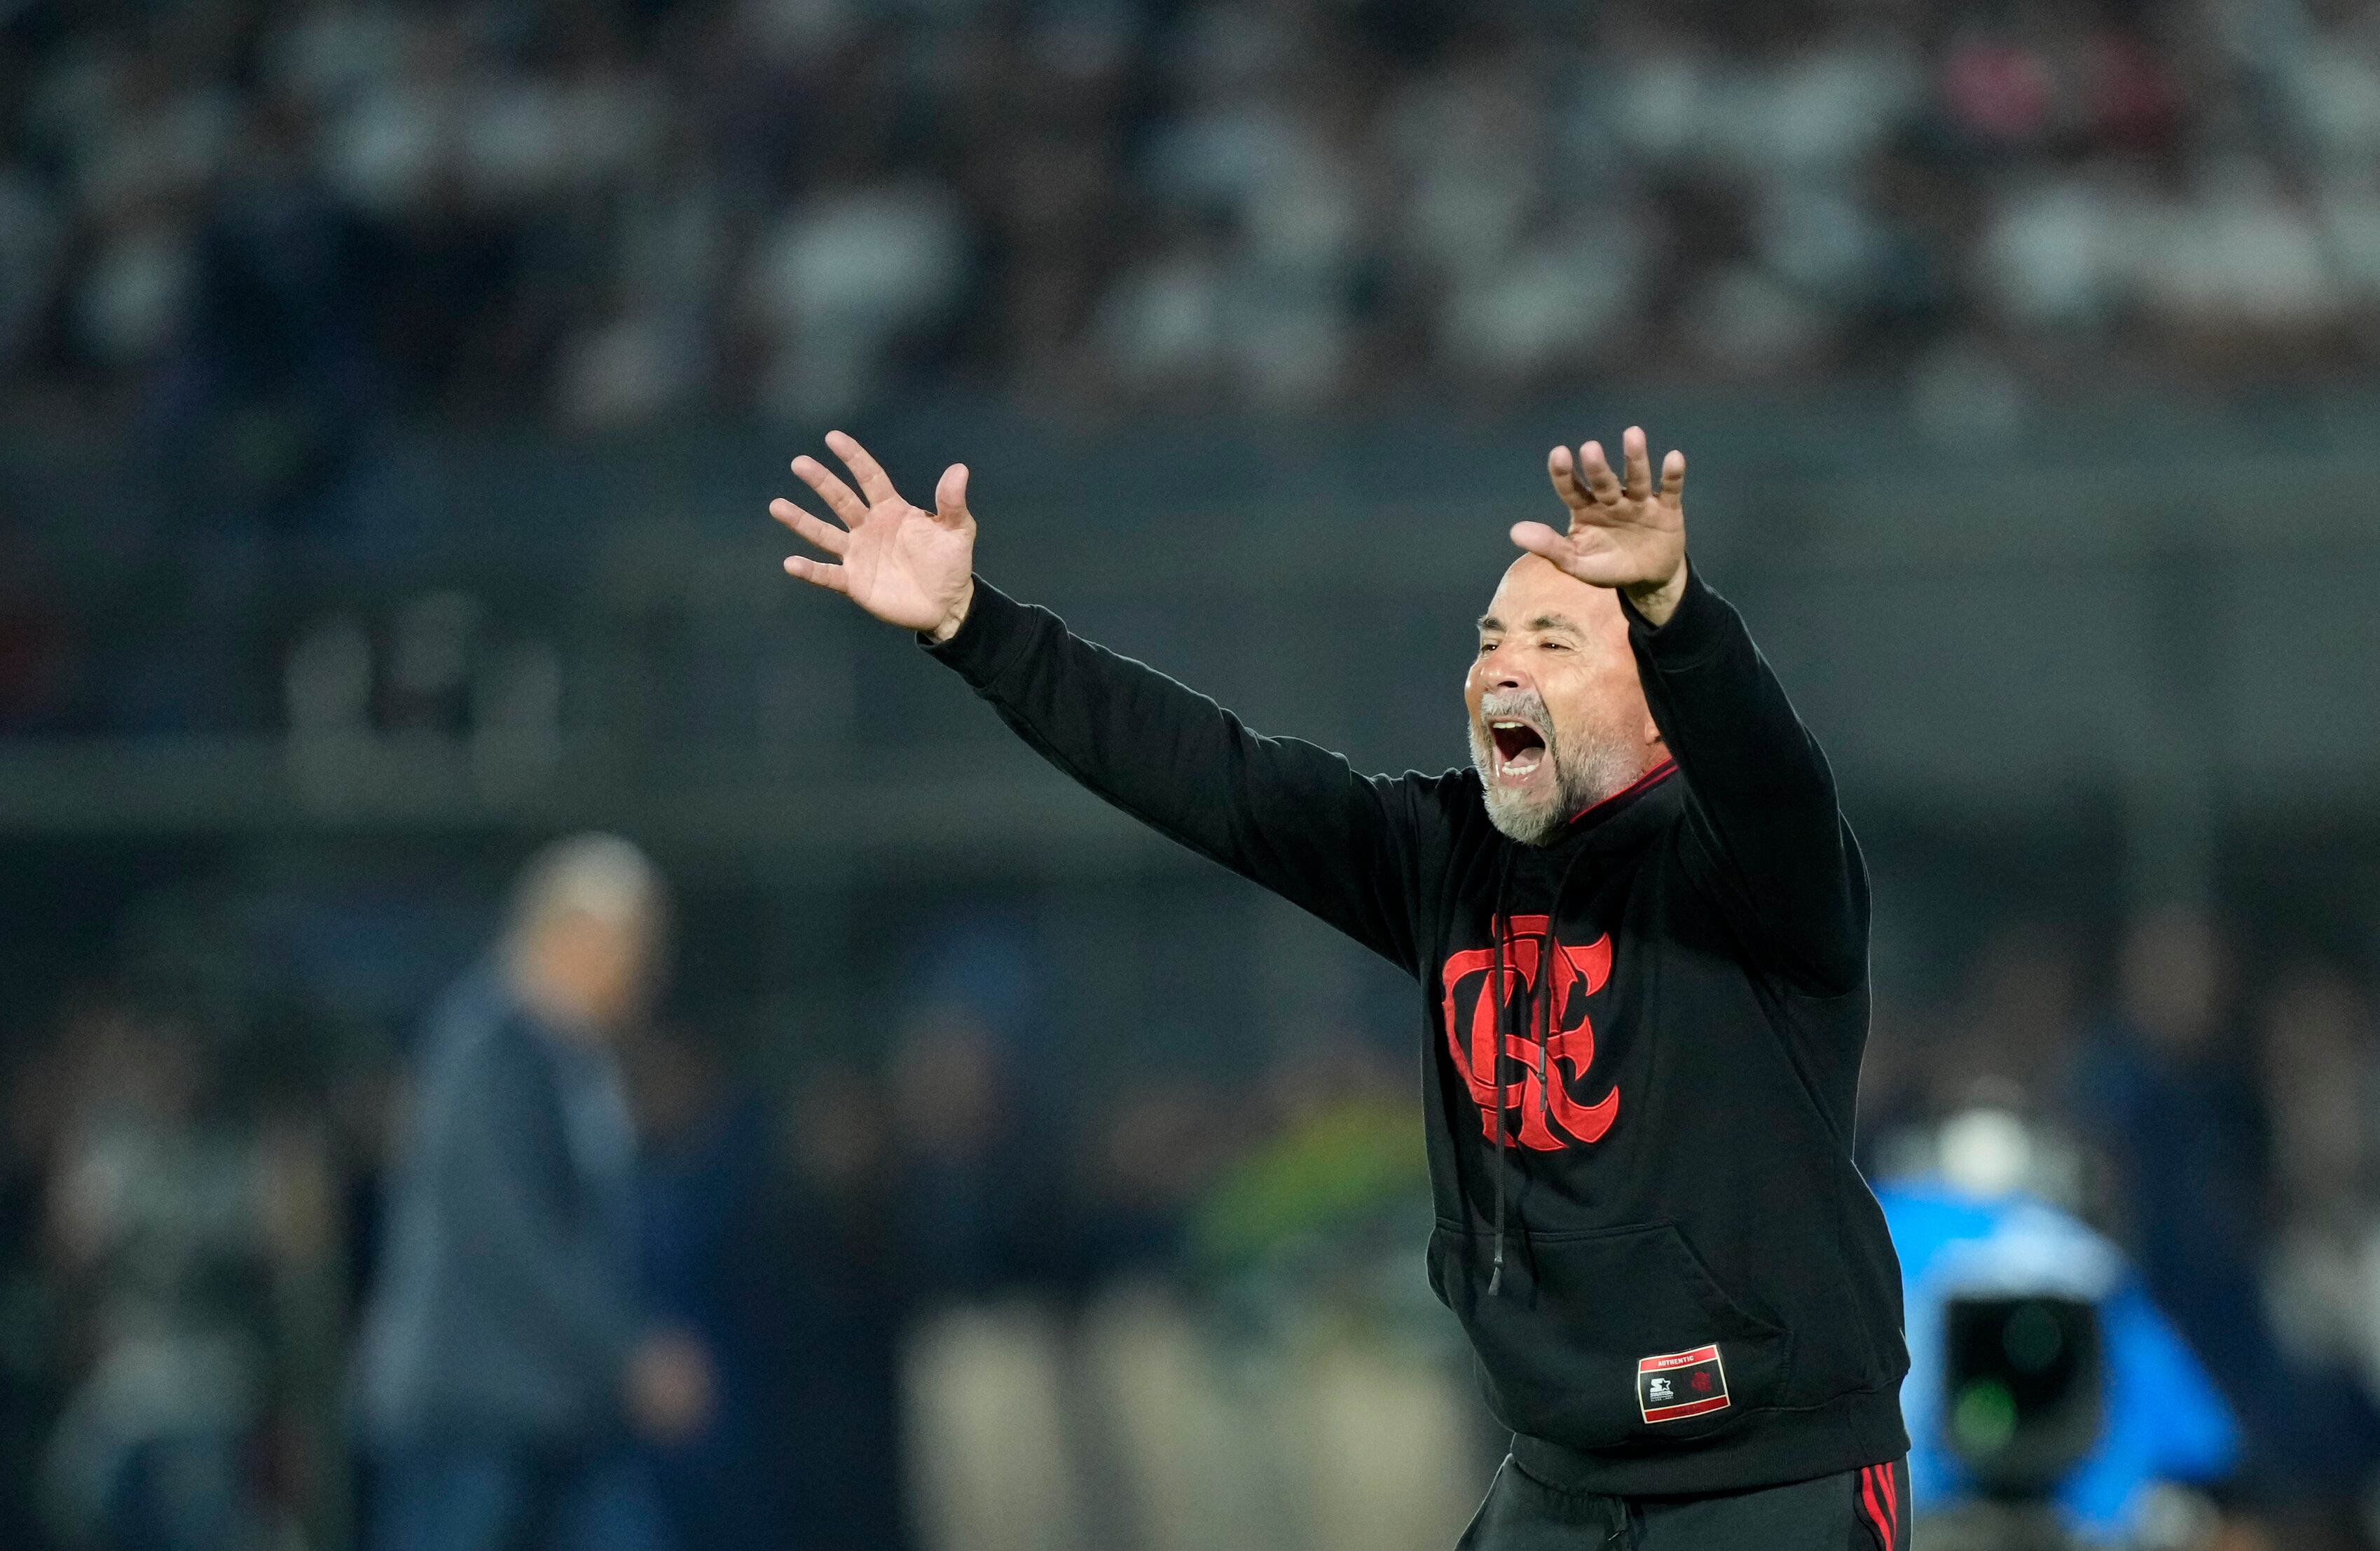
{"x": 1696, "y": 630}
{"x": 997, "y": 630}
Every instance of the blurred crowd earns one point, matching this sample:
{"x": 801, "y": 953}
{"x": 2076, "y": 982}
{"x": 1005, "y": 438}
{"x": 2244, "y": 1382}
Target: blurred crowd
{"x": 933, "y": 1297}
{"x": 271, "y": 1276}
{"x": 265, "y": 222}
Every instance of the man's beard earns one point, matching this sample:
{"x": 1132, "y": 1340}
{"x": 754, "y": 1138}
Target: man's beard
{"x": 1586, "y": 767}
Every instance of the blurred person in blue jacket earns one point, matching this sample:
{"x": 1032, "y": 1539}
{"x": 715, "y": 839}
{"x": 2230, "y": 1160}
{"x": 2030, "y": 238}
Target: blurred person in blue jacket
{"x": 717, "y": 1257}
{"x": 1967, "y": 1228}
{"x": 850, "y": 1300}
{"x": 508, "y": 1362}
{"x": 2167, "y": 1087}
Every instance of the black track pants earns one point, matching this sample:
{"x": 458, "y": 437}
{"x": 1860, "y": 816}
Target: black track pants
{"x": 1865, "y": 1509}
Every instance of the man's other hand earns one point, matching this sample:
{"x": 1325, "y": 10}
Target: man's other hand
{"x": 671, "y": 1387}
{"x": 906, "y": 565}
{"x": 1623, "y": 534}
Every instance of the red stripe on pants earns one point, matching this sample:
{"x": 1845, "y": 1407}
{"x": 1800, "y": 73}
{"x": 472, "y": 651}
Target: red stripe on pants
{"x": 1875, "y": 1513}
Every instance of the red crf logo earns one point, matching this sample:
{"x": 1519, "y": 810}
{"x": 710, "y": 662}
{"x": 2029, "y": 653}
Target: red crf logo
{"x": 1552, "y": 1117}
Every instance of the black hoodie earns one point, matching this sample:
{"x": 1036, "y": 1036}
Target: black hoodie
{"x": 1689, "y": 1289}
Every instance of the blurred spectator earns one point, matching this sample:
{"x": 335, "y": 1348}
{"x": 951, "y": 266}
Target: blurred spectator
{"x": 2319, "y": 1079}
{"x": 1333, "y": 1182}
{"x": 843, "y": 281}
{"x": 717, "y": 1261}
{"x": 980, "y": 1224}
{"x": 38, "y": 642}
{"x": 508, "y": 1352}
{"x": 974, "y": 1224}
{"x": 1148, "y": 1159}
{"x": 2011, "y": 1039}
{"x": 31, "y": 1317}
{"x": 845, "y": 1444}
{"x": 265, "y": 393}
{"x": 2168, "y": 1090}
{"x": 172, "y": 1209}
{"x": 2017, "y": 1022}
{"x": 2321, "y": 1270}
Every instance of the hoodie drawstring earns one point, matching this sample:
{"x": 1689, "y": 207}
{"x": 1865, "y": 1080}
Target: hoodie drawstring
{"x": 1543, "y": 1007}
{"x": 1546, "y": 982}
{"x": 1496, "y": 1061}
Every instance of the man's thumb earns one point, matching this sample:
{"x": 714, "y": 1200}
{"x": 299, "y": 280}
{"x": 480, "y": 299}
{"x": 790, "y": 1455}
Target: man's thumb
{"x": 950, "y": 495}
{"x": 1538, "y": 538}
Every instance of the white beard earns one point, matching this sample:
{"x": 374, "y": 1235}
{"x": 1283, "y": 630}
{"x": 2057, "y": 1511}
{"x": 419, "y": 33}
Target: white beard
{"x": 1582, "y": 777}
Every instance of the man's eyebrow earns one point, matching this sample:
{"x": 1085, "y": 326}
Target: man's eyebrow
{"x": 1543, "y": 622}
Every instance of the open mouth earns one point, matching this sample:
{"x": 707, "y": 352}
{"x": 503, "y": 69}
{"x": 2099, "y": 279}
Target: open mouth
{"x": 1520, "y": 749}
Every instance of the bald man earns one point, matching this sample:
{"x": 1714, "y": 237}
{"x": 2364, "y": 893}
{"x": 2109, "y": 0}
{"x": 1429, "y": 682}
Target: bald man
{"x": 1639, "y": 927}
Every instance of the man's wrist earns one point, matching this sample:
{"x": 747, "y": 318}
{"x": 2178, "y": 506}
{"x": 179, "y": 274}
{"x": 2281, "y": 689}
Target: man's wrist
{"x": 1658, "y": 601}
{"x": 941, "y": 633}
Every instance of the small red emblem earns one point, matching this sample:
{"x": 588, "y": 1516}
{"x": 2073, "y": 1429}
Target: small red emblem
{"x": 1701, "y": 1371}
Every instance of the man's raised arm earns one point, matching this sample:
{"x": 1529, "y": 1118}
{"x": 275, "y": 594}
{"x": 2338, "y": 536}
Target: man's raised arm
{"x": 1762, "y": 798}
{"x": 1296, "y": 819}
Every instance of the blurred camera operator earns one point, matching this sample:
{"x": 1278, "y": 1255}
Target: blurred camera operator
{"x": 1973, "y": 1220}
{"x": 507, "y": 1363}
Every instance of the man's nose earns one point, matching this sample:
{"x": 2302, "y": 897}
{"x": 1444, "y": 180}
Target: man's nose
{"x": 1499, "y": 670}
{"x": 1496, "y": 674}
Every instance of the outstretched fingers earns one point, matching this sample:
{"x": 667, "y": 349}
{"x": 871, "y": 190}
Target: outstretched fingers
{"x": 1585, "y": 479}
{"x": 874, "y": 482}
{"x": 825, "y": 535}
{"x": 839, "y": 497}
{"x": 818, "y": 573}
{"x": 1673, "y": 478}
{"x": 1639, "y": 463}
{"x": 1562, "y": 468}
{"x": 1603, "y": 483}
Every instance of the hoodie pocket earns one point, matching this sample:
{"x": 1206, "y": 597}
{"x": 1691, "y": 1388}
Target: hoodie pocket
{"x": 1597, "y": 1339}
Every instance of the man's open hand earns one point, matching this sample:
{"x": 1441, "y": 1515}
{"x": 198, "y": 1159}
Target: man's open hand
{"x": 905, "y": 565}
{"x": 1625, "y": 535}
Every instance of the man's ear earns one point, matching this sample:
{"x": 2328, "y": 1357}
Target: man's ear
{"x": 1653, "y": 732}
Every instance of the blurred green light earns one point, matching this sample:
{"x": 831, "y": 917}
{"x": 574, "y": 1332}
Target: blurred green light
{"x": 1983, "y": 1418}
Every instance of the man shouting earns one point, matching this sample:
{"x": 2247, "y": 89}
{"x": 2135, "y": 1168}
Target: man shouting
{"x": 1640, "y": 927}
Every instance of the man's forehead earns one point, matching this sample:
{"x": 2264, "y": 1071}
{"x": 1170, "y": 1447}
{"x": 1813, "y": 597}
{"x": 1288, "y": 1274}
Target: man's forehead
{"x": 1534, "y": 592}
